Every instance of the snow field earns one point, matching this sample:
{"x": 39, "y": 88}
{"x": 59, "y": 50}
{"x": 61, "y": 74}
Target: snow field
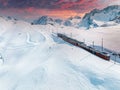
{"x": 35, "y": 59}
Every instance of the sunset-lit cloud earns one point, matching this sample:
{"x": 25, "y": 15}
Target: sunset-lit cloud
{"x": 53, "y": 8}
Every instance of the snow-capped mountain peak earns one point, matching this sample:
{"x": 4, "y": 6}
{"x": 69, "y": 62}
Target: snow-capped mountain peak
{"x": 43, "y": 20}
{"x": 105, "y": 15}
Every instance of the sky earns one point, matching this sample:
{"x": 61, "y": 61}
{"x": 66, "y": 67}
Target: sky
{"x": 31, "y": 9}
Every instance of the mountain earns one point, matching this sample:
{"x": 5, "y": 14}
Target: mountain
{"x": 109, "y": 16}
{"x": 98, "y": 18}
{"x": 74, "y": 20}
{"x": 58, "y": 21}
{"x": 67, "y": 23}
{"x": 117, "y": 19}
{"x": 44, "y": 20}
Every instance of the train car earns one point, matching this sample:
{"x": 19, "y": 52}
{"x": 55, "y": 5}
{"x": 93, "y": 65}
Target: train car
{"x": 59, "y": 35}
{"x": 90, "y": 49}
{"x": 103, "y": 55}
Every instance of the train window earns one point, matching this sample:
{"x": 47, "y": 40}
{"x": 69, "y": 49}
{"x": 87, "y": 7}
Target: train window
{"x": 107, "y": 54}
{"x": 104, "y": 53}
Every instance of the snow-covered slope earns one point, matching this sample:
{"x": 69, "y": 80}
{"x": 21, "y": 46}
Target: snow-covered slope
{"x": 103, "y": 17}
{"x": 33, "y": 58}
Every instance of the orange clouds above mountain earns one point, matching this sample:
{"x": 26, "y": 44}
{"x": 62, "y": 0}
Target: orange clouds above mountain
{"x": 55, "y": 8}
{"x": 78, "y": 5}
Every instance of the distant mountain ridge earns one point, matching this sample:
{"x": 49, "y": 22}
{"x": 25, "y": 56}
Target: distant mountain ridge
{"x": 108, "y": 16}
{"x": 44, "y": 20}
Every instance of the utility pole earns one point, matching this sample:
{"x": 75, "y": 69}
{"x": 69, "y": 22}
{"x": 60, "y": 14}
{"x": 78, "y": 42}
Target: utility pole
{"x": 84, "y": 40}
{"x": 93, "y": 44}
{"x": 115, "y": 58}
{"x": 70, "y": 34}
{"x": 102, "y": 44}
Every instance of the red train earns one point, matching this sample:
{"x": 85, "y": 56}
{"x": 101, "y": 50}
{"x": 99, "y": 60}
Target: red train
{"x": 92, "y": 50}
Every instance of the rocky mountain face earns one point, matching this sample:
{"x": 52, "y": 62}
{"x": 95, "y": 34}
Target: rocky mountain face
{"x": 43, "y": 20}
{"x": 96, "y": 18}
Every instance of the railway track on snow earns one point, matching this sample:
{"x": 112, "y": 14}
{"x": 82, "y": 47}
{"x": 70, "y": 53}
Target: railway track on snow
{"x": 103, "y": 55}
